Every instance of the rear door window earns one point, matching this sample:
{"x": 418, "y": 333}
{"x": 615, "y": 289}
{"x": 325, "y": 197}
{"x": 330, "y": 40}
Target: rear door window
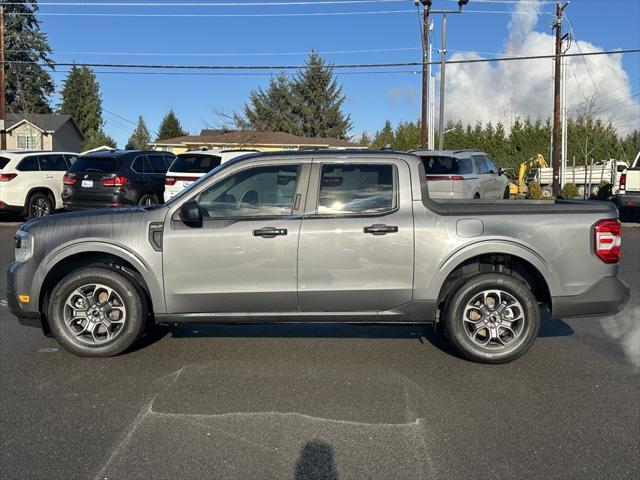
{"x": 71, "y": 159}
{"x": 29, "y": 164}
{"x": 95, "y": 165}
{"x": 3, "y": 162}
{"x": 52, "y": 163}
{"x": 356, "y": 189}
{"x": 158, "y": 164}
{"x": 195, "y": 163}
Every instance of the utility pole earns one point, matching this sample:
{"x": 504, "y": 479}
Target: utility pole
{"x": 443, "y": 66}
{"x": 3, "y": 134}
{"x": 424, "y": 126}
{"x": 556, "y": 152}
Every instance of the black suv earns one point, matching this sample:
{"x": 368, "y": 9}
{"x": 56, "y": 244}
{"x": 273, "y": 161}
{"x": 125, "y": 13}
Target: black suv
{"x": 116, "y": 178}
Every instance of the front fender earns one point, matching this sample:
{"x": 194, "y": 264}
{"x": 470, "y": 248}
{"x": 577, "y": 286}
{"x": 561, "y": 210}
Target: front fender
{"x": 68, "y": 250}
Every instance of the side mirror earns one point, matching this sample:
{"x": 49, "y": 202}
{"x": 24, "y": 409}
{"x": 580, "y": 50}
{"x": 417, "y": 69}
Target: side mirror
{"x": 190, "y": 212}
{"x": 501, "y": 171}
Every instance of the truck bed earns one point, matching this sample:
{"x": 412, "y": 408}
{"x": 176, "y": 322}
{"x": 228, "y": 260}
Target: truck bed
{"x": 520, "y": 207}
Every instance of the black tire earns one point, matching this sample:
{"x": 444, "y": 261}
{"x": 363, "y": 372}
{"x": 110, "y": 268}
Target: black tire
{"x": 147, "y": 199}
{"x": 39, "y": 204}
{"x": 507, "y": 194}
{"x": 132, "y": 299}
{"x": 457, "y": 330}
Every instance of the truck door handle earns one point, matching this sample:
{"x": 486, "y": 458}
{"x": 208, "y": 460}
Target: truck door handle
{"x": 269, "y": 232}
{"x": 380, "y": 229}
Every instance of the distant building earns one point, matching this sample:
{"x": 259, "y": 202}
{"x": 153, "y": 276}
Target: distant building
{"x": 43, "y": 132}
{"x": 263, "y": 141}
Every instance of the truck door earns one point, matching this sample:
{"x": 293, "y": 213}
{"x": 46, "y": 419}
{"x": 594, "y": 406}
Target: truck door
{"x": 356, "y": 241}
{"x": 243, "y": 258}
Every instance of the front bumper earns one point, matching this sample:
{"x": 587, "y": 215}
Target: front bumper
{"x": 27, "y": 313}
{"x": 606, "y": 297}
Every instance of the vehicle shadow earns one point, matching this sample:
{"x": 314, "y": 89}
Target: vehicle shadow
{"x": 422, "y": 332}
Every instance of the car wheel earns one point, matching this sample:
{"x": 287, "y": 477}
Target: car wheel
{"x": 492, "y": 318}
{"x": 96, "y": 312}
{"x": 506, "y": 194}
{"x": 39, "y": 205}
{"x": 547, "y": 192}
{"x": 595, "y": 190}
{"x": 147, "y": 199}
{"x": 581, "y": 191}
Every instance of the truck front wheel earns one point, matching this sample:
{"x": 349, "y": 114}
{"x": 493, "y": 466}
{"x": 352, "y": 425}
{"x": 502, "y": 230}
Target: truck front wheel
{"x": 96, "y": 312}
{"x": 492, "y": 318}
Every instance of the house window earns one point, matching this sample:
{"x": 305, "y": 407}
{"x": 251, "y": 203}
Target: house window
{"x": 27, "y": 141}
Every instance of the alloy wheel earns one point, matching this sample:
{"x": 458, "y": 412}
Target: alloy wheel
{"x": 494, "y": 319}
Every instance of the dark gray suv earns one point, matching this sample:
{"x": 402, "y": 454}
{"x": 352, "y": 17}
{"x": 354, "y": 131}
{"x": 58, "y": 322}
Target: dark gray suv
{"x": 116, "y": 178}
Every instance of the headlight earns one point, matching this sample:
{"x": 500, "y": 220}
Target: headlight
{"x": 24, "y": 246}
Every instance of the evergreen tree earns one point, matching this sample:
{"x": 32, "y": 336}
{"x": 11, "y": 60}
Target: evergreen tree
{"x": 27, "y": 84}
{"x": 140, "y": 137}
{"x": 384, "y": 137}
{"x": 274, "y": 109}
{"x": 169, "y": 127}
{"x": 318, "y": 100}
{"x": 82, "y": 100}
{"x": 365, "y": 141}
{"x": 97, "y": 138}
{"x": 631, "y": 146}
{"x": 407, "y": 136}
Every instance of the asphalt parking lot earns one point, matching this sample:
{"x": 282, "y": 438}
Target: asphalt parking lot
{"x": 323, "y": 402}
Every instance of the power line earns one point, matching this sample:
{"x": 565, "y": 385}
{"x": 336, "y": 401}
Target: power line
{"x": 223, "y": 54}
{"x": 250, "y": 15}
{"x": 298, "y": 67}
{"x": 237, "y": 74}
{"x": 206, "y": 4}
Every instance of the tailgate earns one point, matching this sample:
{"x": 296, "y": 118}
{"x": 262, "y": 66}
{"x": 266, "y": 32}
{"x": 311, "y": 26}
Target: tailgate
{"x": 633, "y": 180}
{"x": 89, "y": 173}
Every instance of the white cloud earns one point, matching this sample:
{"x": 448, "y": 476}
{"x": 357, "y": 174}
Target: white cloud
{"x": 500, "y": 91}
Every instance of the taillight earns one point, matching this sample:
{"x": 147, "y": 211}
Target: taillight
{"x": 623, "y": 182}
{"x": 7, "y": 177}
{"x": 170, "y": 181}
{"x": 445, "y": 177}
{"x": 607, "y": 240}
{"x": 66, "y": 180}
{"x": 116, "y": 181}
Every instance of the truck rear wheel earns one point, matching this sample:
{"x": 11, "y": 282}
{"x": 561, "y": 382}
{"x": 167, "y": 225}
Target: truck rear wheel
{"x": 96, "y": 312}
{"x": 492, "y": 318}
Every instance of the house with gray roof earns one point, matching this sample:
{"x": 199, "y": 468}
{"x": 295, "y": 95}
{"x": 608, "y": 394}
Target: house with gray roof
{"x": 43, "y": 132}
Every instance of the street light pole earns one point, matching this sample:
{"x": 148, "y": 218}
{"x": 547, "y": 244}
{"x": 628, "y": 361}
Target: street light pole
{"x": 424, "y": 135}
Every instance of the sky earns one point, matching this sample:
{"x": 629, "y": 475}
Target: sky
{"x": 199, "y": 35}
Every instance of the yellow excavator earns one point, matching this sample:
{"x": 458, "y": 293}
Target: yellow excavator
{"x": 521, "y": 187}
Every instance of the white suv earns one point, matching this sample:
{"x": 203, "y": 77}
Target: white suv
{"x": 466, "y": 174}
{"x": 31, "y": 181}
{"x": 193, "y": 165}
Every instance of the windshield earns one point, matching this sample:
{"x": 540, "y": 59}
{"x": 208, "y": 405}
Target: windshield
{"x": 190, "y": 163}
{"x": 94, "y": 164}
{"x": 3, "y": 162}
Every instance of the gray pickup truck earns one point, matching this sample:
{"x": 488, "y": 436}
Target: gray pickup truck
{"x": 334, "y": 236}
